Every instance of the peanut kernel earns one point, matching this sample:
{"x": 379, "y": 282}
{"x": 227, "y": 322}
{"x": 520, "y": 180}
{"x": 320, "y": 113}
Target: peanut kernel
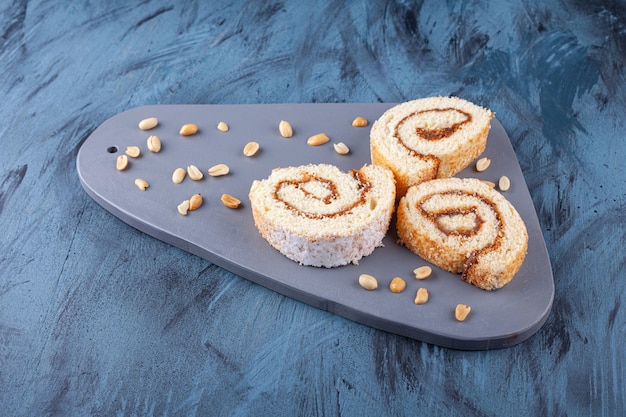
{"x": 121, "y": 163}
{"x": 397, "y": 285}
{"x": 222, "y": 127}
{"x": 285, "y": 129}
{"x": 504, "y": 183}
{"x": 482, "y": 164}
{"x": 422, "y": 296}
{"x": 183, "y": 207}
{"x": 317, "y": 140}
{"x": 219, "y": 170}
{"x": 251, "y": 148}
{"x": 368, "y": 282}
{"x": 178, "y": 175}
{"x": 341, "y": 148}
{"x": 141, "y": 184}
{"x": 188, "y": 129}
{"x": 359, "y": 122}
{"x": 230, "y": 201}
{"x": 154, "y": 144}
{"x": 133, "y": 151}
{"x": 149, "y": 123}
{"x": 461, "y": 312}
{"x": 195, "y": 202}
{"x": 423, "y": 272}
{"x": 194, "y": 173}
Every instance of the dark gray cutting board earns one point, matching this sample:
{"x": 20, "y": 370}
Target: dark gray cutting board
{"x": 229, "y": 238}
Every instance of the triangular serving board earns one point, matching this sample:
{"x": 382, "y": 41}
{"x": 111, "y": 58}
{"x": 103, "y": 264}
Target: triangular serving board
{"x": 229, "y": 238}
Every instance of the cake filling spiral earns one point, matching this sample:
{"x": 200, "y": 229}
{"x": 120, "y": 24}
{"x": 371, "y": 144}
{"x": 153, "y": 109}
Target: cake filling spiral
{"x": 315, "y": 196}
{"x": 430, "y": 125}
{"x": 469, "y": 221}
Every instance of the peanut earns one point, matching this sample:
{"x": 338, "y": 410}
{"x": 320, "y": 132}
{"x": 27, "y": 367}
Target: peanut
{"x": 341, "y": 148}
{"x": 422, "y": 296}
{"x": 251, "y": 148}
{"x": 188, "y": 129}
{"x": 359, "y": 122}
{"x": 178, "y": 175}
{"x": 141, "y": 184}
{"x": 461, "y": 312}
{"x": 222, "y": 127}
{"x": 149, "y": 123}
{"x": 285, "y": 129}
{"x": 194, "y": 173}
{"x": 397, "y": 285}
{"x": 482, "y": 164}
{"x": 154, "y": 144}
{"x": 504, "y": 183}
{"x": 368, "y": 282}
{"x": 121, "y": 163}
{"x": 230, "y": 201}
{"x": 422, "y": 272}
{"x": 183, "y": 207}
{"x": 219, "y": 170}
{"x": 133, "y": 151}
{"x": 489, "y": 184}
{"x": 195, "y": 202}
{"x": 317, "y": 140}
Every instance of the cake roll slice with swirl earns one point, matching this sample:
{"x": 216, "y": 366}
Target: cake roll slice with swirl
{"x": 429, "y": 138}
{"x": 464, "y": 226}
{"x": 319, "y": 215}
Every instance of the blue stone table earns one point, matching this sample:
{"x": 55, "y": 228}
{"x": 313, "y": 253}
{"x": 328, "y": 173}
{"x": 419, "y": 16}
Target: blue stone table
{"x": 97, "y": 318}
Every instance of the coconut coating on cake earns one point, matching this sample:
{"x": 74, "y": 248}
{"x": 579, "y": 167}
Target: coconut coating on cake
{"x": 434, "y": 137}
{"x": 464, "y": 226}
{"x": 320, "y": 216}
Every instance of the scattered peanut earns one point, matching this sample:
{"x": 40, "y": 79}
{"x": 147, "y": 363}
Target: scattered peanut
{"x": 141, "y": 184}
{"x": 490, "y": 184}
{"x": 251, "y": 148}
{"x": 461, "y": 312}
{"x": 285, "y": 129}
{"x": 359, "y": 122}
{"x": 482, "y": 164}
{"x": 179, "y": 175}
{"x": 195, "y": 202}
{"x": 341, "y": 148}
{"x": 188, "y": 129}
{"x": 149, "y": 123}
{"x": 122, "y": 162}
{"x": 183, "y": 207}
{"x": 317, "y": 140}
{"x": 422, "y": 272}
{"x": 133, "y": 151}
{"x": 154, "y": 144}
{"x": 368, "y": 282}
{"x": 504, "y": 183}
{"x": 219, "y": 170}
{"x": 230, "y": 201}
{"x": 397, "y": 285}
{"x": 194, "y": 173}
{"x": 222, "y": 127}
{"x": 422, "y": 296}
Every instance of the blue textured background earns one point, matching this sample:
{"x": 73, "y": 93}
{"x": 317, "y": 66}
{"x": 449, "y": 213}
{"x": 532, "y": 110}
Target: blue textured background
{"x": 99, "y": 319}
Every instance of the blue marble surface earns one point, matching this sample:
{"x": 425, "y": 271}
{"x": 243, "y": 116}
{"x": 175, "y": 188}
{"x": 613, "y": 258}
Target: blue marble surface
{"x": 97, "y": 318}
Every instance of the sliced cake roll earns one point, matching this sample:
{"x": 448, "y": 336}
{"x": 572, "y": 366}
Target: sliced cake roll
{"x": 464, "y": 226}
{"x": 320, "y": 216}
{"x": 429, "y": 138}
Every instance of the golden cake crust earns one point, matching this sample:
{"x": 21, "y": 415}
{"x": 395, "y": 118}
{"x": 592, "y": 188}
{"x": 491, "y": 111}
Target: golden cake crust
{"x": 464, "y": 226}
{"x": 428, "y": 138}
